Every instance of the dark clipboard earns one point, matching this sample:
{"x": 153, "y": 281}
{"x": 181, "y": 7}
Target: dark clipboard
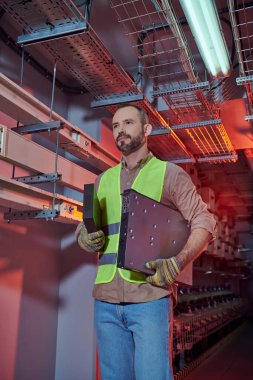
{"x": 150, "y": 230}
{"x": 91, "y": 209}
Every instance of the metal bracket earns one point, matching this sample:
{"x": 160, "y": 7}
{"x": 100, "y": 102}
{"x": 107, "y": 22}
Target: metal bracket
{"x": 248, "y": 117}
{"x": 41, "y": 178}
{"x": 227, "y": 157}
{"x": 139, "y": 77}
{"x": 241, "y": 81}
{"x": 189, "y": 88}
{"x": 2, "y": 141}
{"x": 52, "y": 33}
{"x": 197, "y": 124}
{"x": 184, "y": 161}
{"x": 77, "y": 137}
{"x": 114, "y": 99}
{"x": 31, "y": 214}
{"x": 161, "y": 131}
{"x": 39, "y": 127}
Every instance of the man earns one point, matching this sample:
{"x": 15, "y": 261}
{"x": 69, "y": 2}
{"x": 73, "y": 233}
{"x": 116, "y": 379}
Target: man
{"x": 133, "y": 312}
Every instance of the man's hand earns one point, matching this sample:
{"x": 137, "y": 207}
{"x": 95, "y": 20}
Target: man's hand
{"x": 92, "y": 242}
{"x": 166, "y": 271}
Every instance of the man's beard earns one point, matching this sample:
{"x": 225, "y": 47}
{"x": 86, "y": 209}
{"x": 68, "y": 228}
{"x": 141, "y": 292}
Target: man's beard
{"x": 134, "y": 144}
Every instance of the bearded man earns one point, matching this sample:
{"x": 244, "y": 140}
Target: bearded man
{"x": 134, "y": 312}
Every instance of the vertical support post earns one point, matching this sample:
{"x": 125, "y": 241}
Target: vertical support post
{"x": 22, "y": 66}
{"x": 52, "y": 95}
{"x": 87, "y": 11}
{"x": 57, "y": 137}
{"x": 55, "y": 166}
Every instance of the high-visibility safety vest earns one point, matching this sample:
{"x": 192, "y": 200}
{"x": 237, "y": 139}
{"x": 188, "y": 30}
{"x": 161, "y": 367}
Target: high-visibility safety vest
{"x": 149, "y": 182}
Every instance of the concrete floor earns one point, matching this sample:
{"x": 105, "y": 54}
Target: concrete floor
{"x": 232, "y": 361}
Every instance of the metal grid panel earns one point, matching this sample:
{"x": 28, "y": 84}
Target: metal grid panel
{"x": 150, "y": 33}
{"x": 156, "y": 35}
{"x": 201, "y": 148}
{"x": 224, "y": 89}
{"x": 164, "y": 54}
{"x": 82, "y": 55}
{"x": 89, "y": 62}
{"x": 242, "y": 23}
{"x": 189, "y": 107}
{"x": 207, "y": 141}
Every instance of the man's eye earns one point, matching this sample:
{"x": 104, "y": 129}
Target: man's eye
{"x": 114, "y": 126}
{"x": 129, "y": 122}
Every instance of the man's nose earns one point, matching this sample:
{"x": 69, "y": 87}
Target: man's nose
{"x": 122, "y": 128}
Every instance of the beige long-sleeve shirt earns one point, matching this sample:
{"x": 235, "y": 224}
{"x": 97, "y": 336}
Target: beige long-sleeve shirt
{"x": 178, "y": 193}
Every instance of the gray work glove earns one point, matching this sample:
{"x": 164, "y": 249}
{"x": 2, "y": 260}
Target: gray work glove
{"x": 166, "y": 271}
{"x": 92, "y": 242}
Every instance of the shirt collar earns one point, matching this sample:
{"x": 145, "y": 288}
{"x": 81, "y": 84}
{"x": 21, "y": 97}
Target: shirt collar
{"x": 139, "y": 163}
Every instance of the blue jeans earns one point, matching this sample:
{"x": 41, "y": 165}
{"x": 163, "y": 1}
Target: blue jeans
{"x": 135, "y": 340}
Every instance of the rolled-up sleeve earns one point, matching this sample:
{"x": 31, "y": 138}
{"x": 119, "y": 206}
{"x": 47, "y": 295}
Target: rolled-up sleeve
{"x": 180, "y": 193}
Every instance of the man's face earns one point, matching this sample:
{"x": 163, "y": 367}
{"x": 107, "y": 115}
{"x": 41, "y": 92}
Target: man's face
{"x": 128, "y": 131}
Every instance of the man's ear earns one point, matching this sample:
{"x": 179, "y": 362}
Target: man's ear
{"x": 147, "y": 129}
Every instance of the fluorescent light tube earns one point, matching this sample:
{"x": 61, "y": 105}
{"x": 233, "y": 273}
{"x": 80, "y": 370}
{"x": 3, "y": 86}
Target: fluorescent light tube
{"x": 202, "y": 17}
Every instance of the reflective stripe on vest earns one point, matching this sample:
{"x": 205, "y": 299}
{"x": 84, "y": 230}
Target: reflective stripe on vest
{"x": 111, "y": 229}
{"x": 149, "y": 182}
{"x": 108, "y": 258}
